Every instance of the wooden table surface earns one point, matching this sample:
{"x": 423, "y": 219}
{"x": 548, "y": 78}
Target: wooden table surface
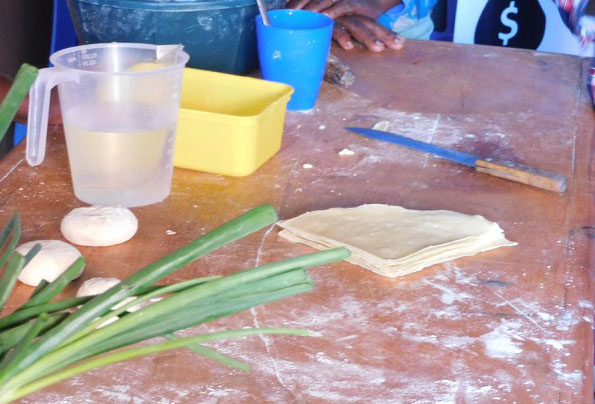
{"x": 512, "y": 325}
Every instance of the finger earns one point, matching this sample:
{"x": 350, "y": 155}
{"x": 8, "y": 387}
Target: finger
{"x": 358, "y": 30}
{"x": 343, "y": 7}
{"x": 389, "y": 38}
{"x": 318, "y": 5}
{"x": 297, "y": 4}
{"x": 342, "y": 37}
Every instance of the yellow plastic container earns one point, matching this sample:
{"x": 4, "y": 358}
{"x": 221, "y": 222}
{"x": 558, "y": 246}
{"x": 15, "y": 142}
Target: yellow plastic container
{"x": 229, "y": 125}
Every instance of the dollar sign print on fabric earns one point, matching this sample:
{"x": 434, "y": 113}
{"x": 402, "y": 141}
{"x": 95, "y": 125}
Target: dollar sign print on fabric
{"x": 505, "y": 19}
{"x": 511, "y": 23}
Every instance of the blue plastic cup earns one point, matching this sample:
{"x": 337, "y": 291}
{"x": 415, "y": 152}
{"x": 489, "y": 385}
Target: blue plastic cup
{"x": 294, "y": 49}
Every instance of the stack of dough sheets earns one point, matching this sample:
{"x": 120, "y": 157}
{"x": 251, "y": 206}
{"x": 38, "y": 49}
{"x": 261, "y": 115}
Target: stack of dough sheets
{"x": 394, "y": 241}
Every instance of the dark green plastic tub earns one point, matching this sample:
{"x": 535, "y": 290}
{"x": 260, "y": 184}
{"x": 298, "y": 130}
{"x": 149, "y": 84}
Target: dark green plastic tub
{"x": 218, "y": 35}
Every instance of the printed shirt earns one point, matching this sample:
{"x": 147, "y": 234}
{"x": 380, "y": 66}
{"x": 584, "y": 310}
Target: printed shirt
{"x": 573, "y": 15}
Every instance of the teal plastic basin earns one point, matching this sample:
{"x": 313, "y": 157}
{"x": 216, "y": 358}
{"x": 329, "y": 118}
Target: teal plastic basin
{"x": 219, "y": 35}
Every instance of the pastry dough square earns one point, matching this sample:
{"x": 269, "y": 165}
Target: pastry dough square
{"x": 394, "y": 241}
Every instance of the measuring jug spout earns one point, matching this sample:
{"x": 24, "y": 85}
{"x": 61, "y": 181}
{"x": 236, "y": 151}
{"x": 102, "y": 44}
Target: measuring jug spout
{"x": 167, "y": 53}
{"x": 39, "y": 108}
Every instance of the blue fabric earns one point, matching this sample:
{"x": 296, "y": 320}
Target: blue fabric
{"x": 390, "y": 16}
{"x": 63, "y": 35}
{"x": 20, "y": 131}
{"x": 414, "y": 9}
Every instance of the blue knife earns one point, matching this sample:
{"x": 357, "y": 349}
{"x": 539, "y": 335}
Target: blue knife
{"x": 503, "y": 169}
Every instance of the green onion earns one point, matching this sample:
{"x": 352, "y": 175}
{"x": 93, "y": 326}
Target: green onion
{"x": 15, "y": 260}
{"x": 243, "y": 225}
{"x": 10, "y": 338}
{"x": 213, "y": 355}
{"x": 18, "y": 91}
{"x": 12, "y": 359}
{"x": 41, "y": 344}
{"x": 25, "y": 314}
{"x": 153, "y": 294}
{"x": 40, "y": 286}
{"x": 13, "y": 268}
{"x": 52, "y": 289}
{"x": 146, "y": 350}
{"x": 12, "y": 228}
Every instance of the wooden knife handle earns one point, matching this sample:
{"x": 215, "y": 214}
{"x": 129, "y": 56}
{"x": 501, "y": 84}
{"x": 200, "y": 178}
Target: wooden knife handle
{"x": 523, "y": 174}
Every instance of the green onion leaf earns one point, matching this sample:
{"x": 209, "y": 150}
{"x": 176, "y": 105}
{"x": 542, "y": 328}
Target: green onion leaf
{"x": 50, "y": 291}
{"x": 42, "y": 284}
{"x": 16, "y": 94}
{"x": 213, "y": 355}
{"x": 12, "y": 228}
{"x": 9, "y": 278}
{"x": 13, "y": 358}
{"x": 25, "y": 314}
{"x": 10, "y": 338}
{"x": 142, "y": 351}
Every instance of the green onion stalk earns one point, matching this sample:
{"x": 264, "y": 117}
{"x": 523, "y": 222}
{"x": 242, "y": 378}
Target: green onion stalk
{"x": 46, "y": 341}
{"x": 16, "y": 94}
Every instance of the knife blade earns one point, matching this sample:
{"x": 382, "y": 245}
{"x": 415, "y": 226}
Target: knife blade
{"x": 503, "y": 169}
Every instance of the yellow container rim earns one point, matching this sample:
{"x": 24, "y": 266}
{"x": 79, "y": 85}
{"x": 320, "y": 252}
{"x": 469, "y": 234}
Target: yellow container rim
{"x": 243, "y": 120}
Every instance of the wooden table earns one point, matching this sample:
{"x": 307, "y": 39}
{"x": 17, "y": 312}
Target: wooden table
{"x": 512, "y": 325}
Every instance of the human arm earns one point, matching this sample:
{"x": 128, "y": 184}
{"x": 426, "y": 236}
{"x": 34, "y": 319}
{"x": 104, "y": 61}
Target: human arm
{"x": 336, "y": 9}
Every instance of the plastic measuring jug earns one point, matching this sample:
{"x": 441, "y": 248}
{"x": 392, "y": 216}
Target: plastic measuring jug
{"x": 120, "y": 104}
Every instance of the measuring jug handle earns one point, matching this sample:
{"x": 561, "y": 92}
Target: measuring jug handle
{"x": 39, "y": 108}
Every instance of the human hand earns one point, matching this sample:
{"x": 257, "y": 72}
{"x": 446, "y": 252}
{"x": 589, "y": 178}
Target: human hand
{"x": 367, "y": 31}
{"x": 356, "y": 20}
